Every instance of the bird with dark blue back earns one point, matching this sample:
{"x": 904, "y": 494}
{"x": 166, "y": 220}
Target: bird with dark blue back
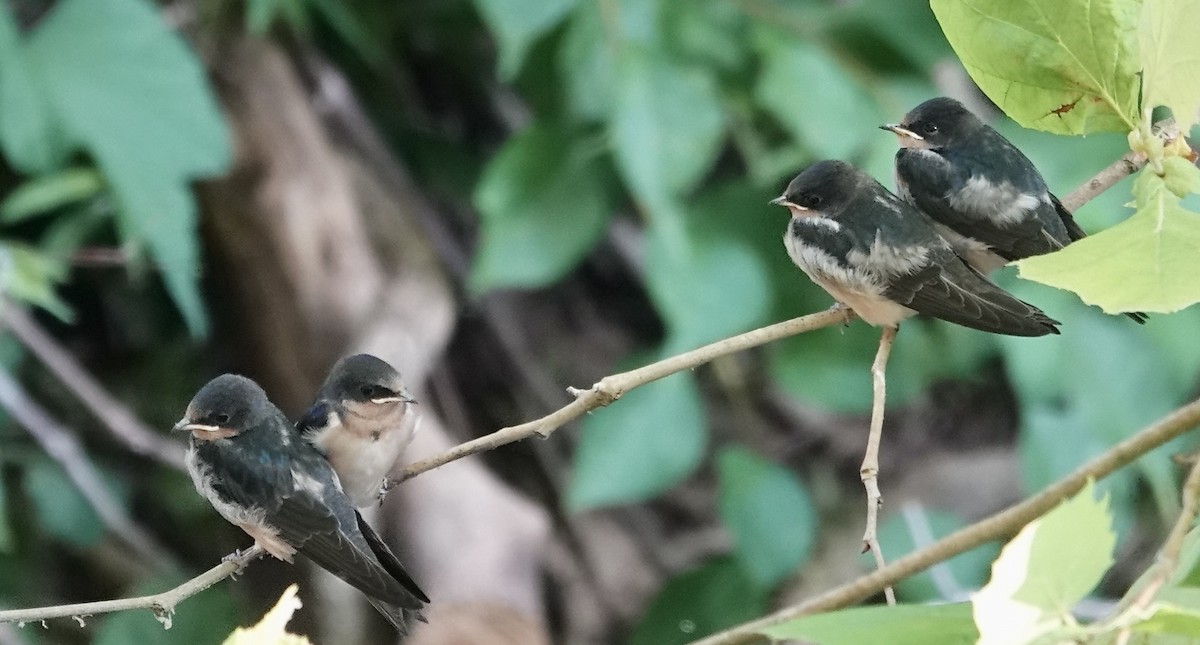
{"x": 883, "y": 258}
{"x": 986, "y": 196}
{"x": 246, "y": 460}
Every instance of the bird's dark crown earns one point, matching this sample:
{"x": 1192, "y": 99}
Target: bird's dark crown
{"x": 361, "y": 377}
{"x": 940, "y": 121}
{"x": 827, "y": 186}
{"x": 229, "y": 401}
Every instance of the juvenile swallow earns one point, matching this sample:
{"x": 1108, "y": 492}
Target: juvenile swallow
{"x": 881, "y": 257}
{"x": 362, "y": 420}
{"x": 245, "y": 459}
{"x": 986, "y": 196}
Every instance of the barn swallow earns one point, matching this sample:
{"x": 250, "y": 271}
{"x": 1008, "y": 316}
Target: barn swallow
{"x": 881, "y": 257}
{"x": 361, "y": 420}
{"x": 986, "y": 196}
{"x": 244, "y": 457}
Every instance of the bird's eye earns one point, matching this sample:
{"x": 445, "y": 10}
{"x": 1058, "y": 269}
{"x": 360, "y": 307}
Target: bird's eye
{"x": 375, "y": 392}
{"x": 221, "y": 419}
{"x": 811, "y": 200}
{"x": 929, "y": 128}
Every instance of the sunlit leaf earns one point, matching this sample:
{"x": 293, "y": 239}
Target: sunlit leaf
{"x": 696, "y": 603}
{"x": 640, "y": 446}
{"x": 898, "y": 625}
{"x": 543, "y": 206}
{"x": 272, "y": 629}
{"x": 769, "y": 513}
{"x": 1169, "y": 58}
{"x": 127, "y": 89}
{"x": 1168, "y": 618}
{"x": 1068, "y": 66}
{"x": 1051, "y": 565}
{"x": 1146, "y": 263}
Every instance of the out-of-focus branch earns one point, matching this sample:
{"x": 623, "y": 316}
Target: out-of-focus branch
{"x": 611, "y": 388}
{"x": 65, "y": 448}
{"x": 994, "y": 527}
{"x": 162, "y": 604}
{"x": 124, "y": 425}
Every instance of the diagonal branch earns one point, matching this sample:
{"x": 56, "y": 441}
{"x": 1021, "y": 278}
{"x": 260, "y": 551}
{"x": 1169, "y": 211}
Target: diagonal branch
{"x": 66, "y": 449}
{"x": 1129, "y": 163}
{"x": 611, "y": 388}
{"x": 994, "y": 527}
{"x": 123, "y": 424}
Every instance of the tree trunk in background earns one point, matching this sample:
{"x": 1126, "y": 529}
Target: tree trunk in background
{"x": 317, "y": 257}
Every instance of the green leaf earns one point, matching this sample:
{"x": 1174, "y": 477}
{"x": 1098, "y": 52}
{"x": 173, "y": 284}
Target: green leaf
{"x": 44, "y": 194}
{"x": 1167, "y": 618}
{"x": 260, "y": 14}
{"x": 60, "y": 508}
{"x": 1146, "y": 263}
{"x": 711, "y": 33}
{"x": 543, "y": 204}
{"x": 639, "y": 446}
{"x": 1169, "y": 59}
{"x": 587, "y": 65}
{"x": 204, "y": 619}
{"x": 914, "y": 527}
{"x": 667, "y": 125}
{"x": 1051, "y": 565}
{"x": 714, "y": 288}
{"x": 1068, "y": 66}
{"x": 814, "y": 97}
{"x": 151, "y": 132}
{"x": 769, "y": 513}
{"x": 30, "y": 135}
{"x": 696, "y": 603}
{"x": 897, "y": 625}
{"x": 30, "y": 276}
{"x": 517, "y": 24}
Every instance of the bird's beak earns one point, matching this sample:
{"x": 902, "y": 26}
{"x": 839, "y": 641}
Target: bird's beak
{"x": 183, "y": 425}
{"x": 778, "y": 201}
{"x": 783, "y": 201}
{"x": 899, "y": 131}
{"x": 186, "y": 425}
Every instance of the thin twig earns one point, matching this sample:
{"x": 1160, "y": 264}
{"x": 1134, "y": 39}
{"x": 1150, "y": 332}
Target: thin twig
{"x": 162, "y": 604}
{"x": 66, "y": 449}
{"x": 869, "y": 472}
{"x": 1129, "y": 163}
{"x": 123, "y": 424}
{"x": 994, "y": 527}
{"x": 1168, "y": 556}
{"x": 611, "y": 388}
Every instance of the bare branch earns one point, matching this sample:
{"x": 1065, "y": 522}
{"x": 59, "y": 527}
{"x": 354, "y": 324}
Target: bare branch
{"x": 994, "y": 527}
{"x": 124, "y": 425}
{"x": 1129, "y": 163}
{"x": 611, "y": 388}
{"x": 869, "y": 471}
{"x": 66, "y": 449}
{"x": 162, "y": 604}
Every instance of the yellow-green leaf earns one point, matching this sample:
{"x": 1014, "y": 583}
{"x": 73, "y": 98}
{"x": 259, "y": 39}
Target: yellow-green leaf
{"x": 1169, "y": 57}
{"x": 1149, "y": 262}
{"x": 1064, "y": 66}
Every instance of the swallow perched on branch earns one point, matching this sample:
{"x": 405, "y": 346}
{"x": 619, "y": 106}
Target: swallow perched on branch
{"x": 362, "y": 420}
{"x": 881, "y": 257}
{"x": 986, "y": 196}
{"x": 246, "y": 460}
